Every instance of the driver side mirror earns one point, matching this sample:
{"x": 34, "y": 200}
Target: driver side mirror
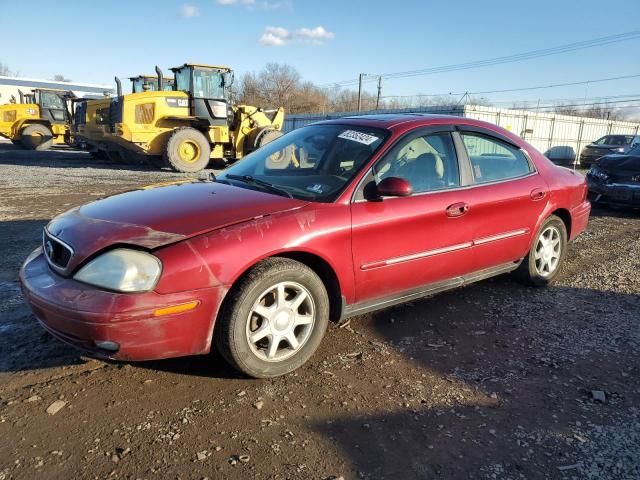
{"x": 394, "y": 187}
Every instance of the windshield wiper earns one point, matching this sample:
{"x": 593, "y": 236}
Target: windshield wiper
{"x": 255, "y": 181}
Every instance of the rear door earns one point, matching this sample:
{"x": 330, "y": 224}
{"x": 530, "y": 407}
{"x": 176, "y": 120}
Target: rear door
{"x": 508, "y": 197}
{"x": 404, "y": 243}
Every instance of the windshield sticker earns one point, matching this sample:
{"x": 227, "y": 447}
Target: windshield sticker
{"x": 359, "y": 137}
{"x": 316, "y": 188}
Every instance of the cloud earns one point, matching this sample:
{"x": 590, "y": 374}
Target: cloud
{"x": 279, "y": 36}
{"x": 257, "y": 4}
{"x": 275, "y": 37}
{"x": 189, "y": 11}
{"x": 315, "y": 35}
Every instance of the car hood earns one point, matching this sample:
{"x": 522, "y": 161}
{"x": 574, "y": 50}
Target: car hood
{"x": 605, "y": 147}
{"x": 156, "y": 216}
{"x": 620, "y": 164}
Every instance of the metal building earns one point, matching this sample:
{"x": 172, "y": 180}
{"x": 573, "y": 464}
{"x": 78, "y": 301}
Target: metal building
{"x": 9, "y": 87}
{"x": 559, "y": 137}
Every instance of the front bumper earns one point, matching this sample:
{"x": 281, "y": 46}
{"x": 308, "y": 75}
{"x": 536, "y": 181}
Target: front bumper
{"x": 615, "y": 193}
{"x": 82, "y": 315}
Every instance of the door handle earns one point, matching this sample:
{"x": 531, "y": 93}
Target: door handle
{"x": 538, "y": 194}
{"x": 457, "y": 209}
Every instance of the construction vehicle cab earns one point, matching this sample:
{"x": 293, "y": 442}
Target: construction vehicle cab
{"x": 192, "y": 124}
{"x": 145, "y": 83}
{"x": 41, "y": 119}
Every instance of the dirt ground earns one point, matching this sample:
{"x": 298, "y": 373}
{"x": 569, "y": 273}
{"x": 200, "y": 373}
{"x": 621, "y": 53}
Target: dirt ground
{"x": 493, "y": 381}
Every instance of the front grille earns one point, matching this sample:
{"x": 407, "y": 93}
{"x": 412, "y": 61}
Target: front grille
{"x": 616, "y": 178}
{"x": 58, "y": 253}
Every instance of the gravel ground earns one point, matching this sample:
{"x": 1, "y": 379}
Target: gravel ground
{"x": 495, "y": 380}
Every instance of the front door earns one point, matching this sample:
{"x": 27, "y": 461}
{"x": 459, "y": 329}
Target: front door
{"x": 403, "y": 243}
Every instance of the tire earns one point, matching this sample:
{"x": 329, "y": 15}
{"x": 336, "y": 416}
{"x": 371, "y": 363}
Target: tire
{"x": 272, "y": 279}
{"x": 541, "y": 265}
{"x": 98, "y": 155}
{"x": 280, "y": 159}
{"x": 17, "y": 143}
{"x": 267, "y": 136}
{"x": 36, "y": 137}
{"x": 187, "y": 150}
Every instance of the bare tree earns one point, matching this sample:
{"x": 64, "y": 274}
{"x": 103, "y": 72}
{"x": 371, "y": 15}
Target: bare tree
{"x": 61, "y": 78}
{"x": 4, "y": 70}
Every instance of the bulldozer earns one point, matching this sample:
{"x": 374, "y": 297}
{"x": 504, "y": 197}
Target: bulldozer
{"x": 40, "y": 119}
{"x": 190, "y": 125}
{"x": 91, "y": 119}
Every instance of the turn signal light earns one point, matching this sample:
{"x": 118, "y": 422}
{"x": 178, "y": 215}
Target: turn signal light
{"x": 182, "y": 307}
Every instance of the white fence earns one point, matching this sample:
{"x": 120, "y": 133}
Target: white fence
{"x": 560, "y": 137}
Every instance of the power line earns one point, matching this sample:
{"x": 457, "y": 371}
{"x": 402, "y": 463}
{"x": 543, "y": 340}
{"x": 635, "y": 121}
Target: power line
{"x": 522, "y": 89}
{"x": 555, "y": 101}
{"x": 596, "y": 42}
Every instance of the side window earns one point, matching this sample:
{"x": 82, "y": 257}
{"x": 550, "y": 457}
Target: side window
{"x": 493, "y": 160}
{"x": 428, "y": 163}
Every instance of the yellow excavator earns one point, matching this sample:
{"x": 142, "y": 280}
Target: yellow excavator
{"x": 192, "y": 124}
{"x": 91, "y": 127}
{"x": 40, "y": 119}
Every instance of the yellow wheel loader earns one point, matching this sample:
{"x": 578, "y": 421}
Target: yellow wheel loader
{"x": 91, "y": 120}
{"x": 41, "y": 119}
{"x": 193, "y": 124}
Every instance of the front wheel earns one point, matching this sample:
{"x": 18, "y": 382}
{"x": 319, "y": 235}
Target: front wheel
{"x": 187, "y": 150}
{"x": 36, "y": 137}
{"x": 543, "y": 262}
{"x": 274, "y": 319}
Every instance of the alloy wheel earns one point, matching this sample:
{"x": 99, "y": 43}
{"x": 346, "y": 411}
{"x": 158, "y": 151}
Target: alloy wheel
{"x": 548, "y": 250}
{"x": 280, "y": 321}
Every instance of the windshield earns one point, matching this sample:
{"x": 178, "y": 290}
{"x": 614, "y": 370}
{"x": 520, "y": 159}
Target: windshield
{"x": 138, "y": 84}
{"x": 51, "y": 100}
{"x": 313, "y": 163}
{"x": 208, "y": 84}
{"x": 614, "y": 140}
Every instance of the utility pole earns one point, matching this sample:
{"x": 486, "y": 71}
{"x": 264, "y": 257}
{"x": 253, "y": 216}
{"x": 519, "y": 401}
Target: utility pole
{"x": 360, "y": 91}
{"x": 379, "y": 91}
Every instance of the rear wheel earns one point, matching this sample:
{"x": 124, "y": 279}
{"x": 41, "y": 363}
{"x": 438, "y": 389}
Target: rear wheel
{"x": 543, "y": 262}
{"x": 187, "y": 150}
{"x": 274, "y": 319}
{"x": 36, "y": 137}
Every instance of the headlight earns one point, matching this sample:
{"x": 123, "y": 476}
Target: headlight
{"x": 122, "y": 270}
{"x": 598, "y": 174}
{"x": 619, "y": 150}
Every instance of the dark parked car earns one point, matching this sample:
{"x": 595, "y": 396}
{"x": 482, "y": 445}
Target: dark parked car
{"x": 615, "y": 179}
{"x": 607, "y": 145}
{"x": 331, "y": 220}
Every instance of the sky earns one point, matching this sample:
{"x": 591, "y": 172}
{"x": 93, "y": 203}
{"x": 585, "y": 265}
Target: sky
{"x": 334, "y": 40}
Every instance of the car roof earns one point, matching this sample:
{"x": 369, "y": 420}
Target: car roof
{"x": 392, "y": 120}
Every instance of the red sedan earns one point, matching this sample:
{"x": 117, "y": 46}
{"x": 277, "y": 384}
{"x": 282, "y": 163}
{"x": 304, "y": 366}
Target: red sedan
{"x": 331, "y": 220}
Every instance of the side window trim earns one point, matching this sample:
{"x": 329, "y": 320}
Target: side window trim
{"x": 464, "y": 163}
